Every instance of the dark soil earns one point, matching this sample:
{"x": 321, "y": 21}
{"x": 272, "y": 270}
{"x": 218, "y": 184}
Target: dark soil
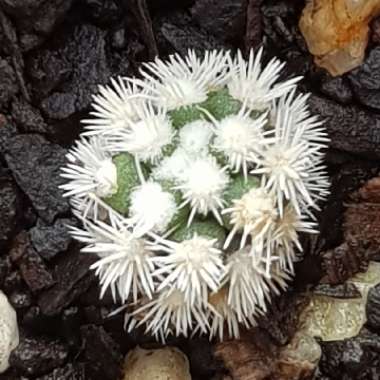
{"x": 53, "y": 54}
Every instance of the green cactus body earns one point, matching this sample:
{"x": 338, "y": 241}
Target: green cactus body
{"x": 127, "y": 180}
{"x": 185, "y": 115}
{"x": 221, "y": 104}
{"x": 208, "y": 228}
{"x": 180, "y": 218}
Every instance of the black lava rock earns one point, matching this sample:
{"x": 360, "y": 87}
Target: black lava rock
{"x": 224, "y": 19}
{"x": 38, "y": 356}
{"x": 72, "y": 280}
{"x": 27, "y": 118}
{"x": 104, "y": 12}
{"x": 366, "y": 80}
{"x": 5, "y": 269}
{"x": 175, "y": 31}
{"x": 68, "y": 372}
{"x": 336, "y": 88}
{"x": 350, "y": 128}
{"x": 46, "y": 14}
{"x": 48, "y": 240}
{"x": 21, "y": 299}
{"x": 202, "y": 361}
{"x": 8, "y": 83}
{"x": 373, "y": 308}
{"x": 102, "y": 353}
{"x": 9, "y": 205}
{"x": 80, "y": 64}
{"x": 35, "y": 164}
{"x": 34, "y": 271}
{"x": 7, "y": 131}
{"x": 351, "y": 359}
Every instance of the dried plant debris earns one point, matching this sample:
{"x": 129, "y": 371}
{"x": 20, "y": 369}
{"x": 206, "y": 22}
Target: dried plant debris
{"x": 254, "y": 357}
{"x": 361, "y": 231}
{"x": 336, "y": 32}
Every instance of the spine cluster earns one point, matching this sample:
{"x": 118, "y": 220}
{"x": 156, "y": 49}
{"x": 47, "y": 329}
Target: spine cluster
{"x": 192, "y": 185}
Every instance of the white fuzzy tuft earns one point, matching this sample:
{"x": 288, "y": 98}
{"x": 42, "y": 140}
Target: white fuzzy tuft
{"x": 115, "y": 107}
{"x": 170, "y": 313}
{"x": 194, "y": 137}
{"x": 91, "y": 174}
{"x": 240, "y": 138}
{"x": 202, "y": 186}
{"x": 125, "y": 266}
{"x": 256, "y": 86}
{"x": 193, "y": 266}
{"x": 254, "y": 214}
{"x": 221, "y": 314}
{"x": 172, "y": 167}
{"x": 146, "y": 138}
{"x": 152, "y": 208}
{"x": 180, "y": 82}
{"x": 290, "y": 165}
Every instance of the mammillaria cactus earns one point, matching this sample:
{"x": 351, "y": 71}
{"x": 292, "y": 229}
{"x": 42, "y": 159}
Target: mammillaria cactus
{"x": 192, "y": 185}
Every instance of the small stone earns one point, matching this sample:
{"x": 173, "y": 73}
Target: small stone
{"x": 34, "y": 271}
{"x": 299, "y": 359}
{"x": 19, "y": 246}
{"x": 13, "y": 281}
{"x": 35, "y": 164}
{"x": 224, "y": 19}
{"x": 70, "y": 325}
{"x": 373, "y": 308}
{"x": 9, "y": 337}
{"x": 45, "y": 15}
{"x": 72, "y": 277}
{"x": 201, "y": 358}
{"x": 21, "y": 299}
{"x": 35, "y": 357}
{"x": 336, "y": 32}
{"x": 77, "y": 67}
{"x": 343, "y": 291}
{"x": 251, "y": 357}
{"x": 365, "y": 80}
{"x": 352, "y": 359}
{"x": 8, "y": 83}
{"x": 337, "y": 89}
{"x": 376, "y": 31}
{"x": 175, "y": 30}
{"x": 27, "y": 118}
{"x": 68, "y": 372}
{"x": 103, "y": 12}
{"x": 336, "y": 319}
{"x": 59, "y": 105}
{"x": 49, "y": 240}
{"x": 5, "y": 269}
{"x": 9, "y": 205}
{"x": 7, "y": 131}
{"x": 102, "y": 353}
{"x": 167, "y": 363}
{"x": 350, "y": 128}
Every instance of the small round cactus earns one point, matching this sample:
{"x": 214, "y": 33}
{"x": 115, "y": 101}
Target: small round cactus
{"x": 192, "y": 184}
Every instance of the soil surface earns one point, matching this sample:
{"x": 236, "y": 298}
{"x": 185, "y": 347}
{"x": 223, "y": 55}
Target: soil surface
{"x": 53, "y": 53}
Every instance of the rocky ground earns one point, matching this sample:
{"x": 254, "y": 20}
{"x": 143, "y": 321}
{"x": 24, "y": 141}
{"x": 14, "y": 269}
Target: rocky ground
{"x": 53, "y": 53}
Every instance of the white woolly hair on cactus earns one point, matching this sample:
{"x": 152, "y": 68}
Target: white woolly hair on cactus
{"x": 192, "y": 184}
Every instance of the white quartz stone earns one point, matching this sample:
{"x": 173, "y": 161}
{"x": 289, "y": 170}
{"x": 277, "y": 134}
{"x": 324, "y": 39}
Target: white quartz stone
{"x": 9, "y": 337}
